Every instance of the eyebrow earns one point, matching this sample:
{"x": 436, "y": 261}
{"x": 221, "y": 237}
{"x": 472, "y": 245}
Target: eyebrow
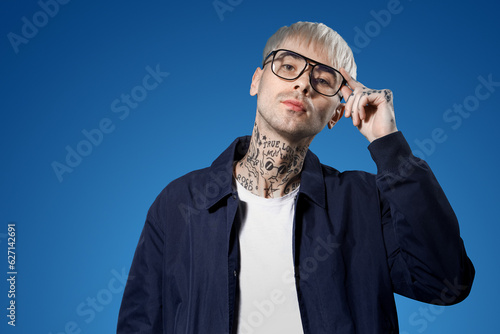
{"x": 312, "y": 60}
{"x": 326, "y": 68}
{"x": 294, "y": 54}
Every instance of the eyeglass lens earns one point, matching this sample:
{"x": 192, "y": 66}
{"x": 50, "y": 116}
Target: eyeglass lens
{"x": 290, "y": 65}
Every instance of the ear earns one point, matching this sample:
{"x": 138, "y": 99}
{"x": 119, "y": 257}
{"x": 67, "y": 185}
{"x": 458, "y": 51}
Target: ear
{"x": 339, "y": 111}
{"x": 254, "y": 87}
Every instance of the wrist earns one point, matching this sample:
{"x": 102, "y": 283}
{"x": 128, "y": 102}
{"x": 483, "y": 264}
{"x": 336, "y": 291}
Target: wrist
{"x": 374, "y": 137}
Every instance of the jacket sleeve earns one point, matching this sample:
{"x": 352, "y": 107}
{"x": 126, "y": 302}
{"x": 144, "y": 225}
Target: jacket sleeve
{"x": 425, "y": 253}
{"x": 141, "y": 307}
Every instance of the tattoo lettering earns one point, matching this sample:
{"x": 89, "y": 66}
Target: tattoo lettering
{"x": 247, "y": 183}
{"x": 274, "y": 161}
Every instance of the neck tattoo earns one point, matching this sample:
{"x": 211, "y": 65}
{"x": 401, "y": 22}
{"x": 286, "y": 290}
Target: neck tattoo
{"x": 270, "y": 168}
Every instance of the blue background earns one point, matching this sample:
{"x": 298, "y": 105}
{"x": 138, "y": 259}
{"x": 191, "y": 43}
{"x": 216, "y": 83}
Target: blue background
{"x": 77, "y": 234}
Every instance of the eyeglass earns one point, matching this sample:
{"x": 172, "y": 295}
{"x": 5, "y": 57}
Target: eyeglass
{"x": 290, "y": 65}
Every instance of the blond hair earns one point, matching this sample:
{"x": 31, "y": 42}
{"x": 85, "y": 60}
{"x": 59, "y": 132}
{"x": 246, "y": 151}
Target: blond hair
{"x": 329, "y": 41}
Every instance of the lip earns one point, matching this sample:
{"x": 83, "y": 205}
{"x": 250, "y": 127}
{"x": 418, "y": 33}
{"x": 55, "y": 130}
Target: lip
{"x": 295, "y": 105}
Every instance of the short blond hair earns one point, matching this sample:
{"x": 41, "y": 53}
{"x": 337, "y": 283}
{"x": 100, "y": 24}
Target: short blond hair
{"x": 339, "y": 53}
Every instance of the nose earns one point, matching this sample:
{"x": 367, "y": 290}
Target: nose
{"x": 302, "y": 83}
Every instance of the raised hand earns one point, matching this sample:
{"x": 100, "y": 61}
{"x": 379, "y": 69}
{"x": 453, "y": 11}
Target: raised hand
{"x": 371, "y": 110}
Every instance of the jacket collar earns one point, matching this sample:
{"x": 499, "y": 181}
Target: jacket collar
{"x": 220, "y": 173}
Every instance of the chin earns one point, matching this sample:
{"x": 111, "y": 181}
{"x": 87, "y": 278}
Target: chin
{"x": 295, "y": 133}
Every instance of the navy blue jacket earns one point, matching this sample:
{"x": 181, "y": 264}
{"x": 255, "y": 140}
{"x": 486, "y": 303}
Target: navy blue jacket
{"x": 358, "y": 238}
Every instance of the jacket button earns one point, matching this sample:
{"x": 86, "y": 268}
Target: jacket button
{"x": 235, "y": 273}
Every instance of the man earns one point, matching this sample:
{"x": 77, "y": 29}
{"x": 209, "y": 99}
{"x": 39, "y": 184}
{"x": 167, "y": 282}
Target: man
{"x": 269, "y": 240}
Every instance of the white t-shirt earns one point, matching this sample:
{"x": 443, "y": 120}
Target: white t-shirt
{"x": 268, "y": 298}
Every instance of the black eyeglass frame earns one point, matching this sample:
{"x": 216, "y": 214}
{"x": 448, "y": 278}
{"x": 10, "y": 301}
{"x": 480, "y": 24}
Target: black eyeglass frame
{"x": 308, "y": 62}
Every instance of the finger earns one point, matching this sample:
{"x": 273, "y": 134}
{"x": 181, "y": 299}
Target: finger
{"x": 353, "y": 84}
{"x": 350, "y": 97}
{"x": 350, "y": 104}
{"x": 355, "y": 108}
{"x": 362, "y": 102}
{"x": 354, "y": 118}
{"x": 347, "y": 109}
{"x": 346, "y": 92}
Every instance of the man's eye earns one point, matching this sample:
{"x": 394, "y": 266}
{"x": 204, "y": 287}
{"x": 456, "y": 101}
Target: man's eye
{"x": 322, "y": 82}
{"x": 288, "y": 67}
